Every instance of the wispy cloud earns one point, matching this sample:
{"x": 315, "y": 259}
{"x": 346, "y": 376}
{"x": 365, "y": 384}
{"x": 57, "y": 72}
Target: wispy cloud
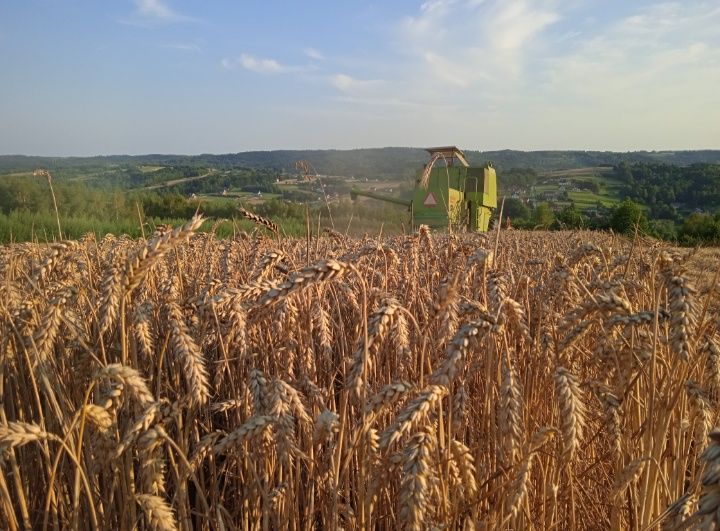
{"x": 255, "y": 64}
{"x": 449, "y": 51}
{"x": 460, "y": 41}
{"x": 447, "y": 70}
{"x": 427, "y": 21}
{"x": 155, "y": 9}
{"x": 517, "y": 24}
{"x": 349, "y": 84}
{"x": 314, "y": 54}
{"x": 644, "y": 55}
{"x": 377, "y": 93}
{"x": 154, "y": 12}
{"x": 183, "y": 46}
{"x": 264, "y": 65}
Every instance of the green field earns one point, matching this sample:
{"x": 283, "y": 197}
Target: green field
{"x": 150, "y": 169}
{"x": 585, "y": 200}
{"x": 233, "y": 197}
{"x": 608, "y": 194}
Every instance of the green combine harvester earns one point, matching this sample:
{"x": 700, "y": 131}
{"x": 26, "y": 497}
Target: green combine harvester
{"x": 452, "y": 195}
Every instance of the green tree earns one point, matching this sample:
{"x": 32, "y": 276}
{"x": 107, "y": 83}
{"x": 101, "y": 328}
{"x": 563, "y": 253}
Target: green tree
{"x": 515, "y": 209}
{"x": 626, "y": 215}
{"x": 571, "y": 217}
{"x": 543, "y": 216}
{"x": 699, "y": 227}
{"x": 517, "y": 178}
{"x": 663, "y": 229}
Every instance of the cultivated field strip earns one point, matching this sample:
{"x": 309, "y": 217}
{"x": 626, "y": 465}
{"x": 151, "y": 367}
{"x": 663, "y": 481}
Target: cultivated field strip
{"x": 429, "y": 381}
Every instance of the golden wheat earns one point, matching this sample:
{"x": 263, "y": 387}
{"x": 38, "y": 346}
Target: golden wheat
{"x": 424, "y": 381}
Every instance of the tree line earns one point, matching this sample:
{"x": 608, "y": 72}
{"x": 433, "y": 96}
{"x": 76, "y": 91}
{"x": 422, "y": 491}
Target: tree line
{"x": 678, "y": 203}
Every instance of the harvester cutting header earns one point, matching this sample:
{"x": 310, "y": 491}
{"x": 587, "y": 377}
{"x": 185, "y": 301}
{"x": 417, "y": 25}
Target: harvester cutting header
{"x": 450, "y": 195}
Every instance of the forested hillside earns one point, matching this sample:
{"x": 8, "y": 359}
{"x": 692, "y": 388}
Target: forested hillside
{"x": 378, "y": 163}
{"x": 663, "y": 185}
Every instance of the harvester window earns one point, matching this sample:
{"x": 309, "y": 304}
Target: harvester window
{"x": 471, "y": 184}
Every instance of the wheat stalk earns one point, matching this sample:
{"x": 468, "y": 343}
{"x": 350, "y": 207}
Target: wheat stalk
{"x": 159, "y": 514}
{"x": 259, "y": 220}
{"x": 138, "y": 266}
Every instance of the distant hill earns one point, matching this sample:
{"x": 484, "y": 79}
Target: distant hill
{"x": 374, "y": 162}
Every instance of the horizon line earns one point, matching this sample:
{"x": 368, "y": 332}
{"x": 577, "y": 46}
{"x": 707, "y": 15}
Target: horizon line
{"x": 214, "y": 154}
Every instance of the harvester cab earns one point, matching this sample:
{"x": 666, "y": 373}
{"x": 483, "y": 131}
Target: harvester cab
{"x": 449, "y": 193}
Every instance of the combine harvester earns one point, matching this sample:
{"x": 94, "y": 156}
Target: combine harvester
{"x": 452, "y": 195}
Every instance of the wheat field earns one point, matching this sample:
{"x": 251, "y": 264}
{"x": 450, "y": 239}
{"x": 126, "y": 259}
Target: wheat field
{"x": 565, "y": 380}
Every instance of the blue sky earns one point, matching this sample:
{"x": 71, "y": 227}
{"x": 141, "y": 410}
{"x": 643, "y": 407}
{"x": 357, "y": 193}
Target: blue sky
{"x": 85, "y": 77}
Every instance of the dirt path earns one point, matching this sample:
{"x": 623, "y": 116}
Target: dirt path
{"x": 168, "y": 184}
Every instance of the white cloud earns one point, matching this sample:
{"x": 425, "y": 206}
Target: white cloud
{"x": 546, "y": 74}
{"x": 539, "y": 74}
{"x": 649, "y": 79}
{"x": 154, "y": 8}
{"x": 377, "y": 93}
{"x": 489, "y": 42}
{"x": 314, "y": 54}
{"x": 431, "y": 12}
{"x": 183, "y": 46}
{"x": 255, "y": 64}
{"x": 446, "y": 70}
{"x": 151, "y": 13}
{"x": 346, "y": 83}
{"x": 517, "y": 23}
{"x": 644, "y": 56}
{"x": 264, "y": 66}
{"x": 157, "y": 10}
